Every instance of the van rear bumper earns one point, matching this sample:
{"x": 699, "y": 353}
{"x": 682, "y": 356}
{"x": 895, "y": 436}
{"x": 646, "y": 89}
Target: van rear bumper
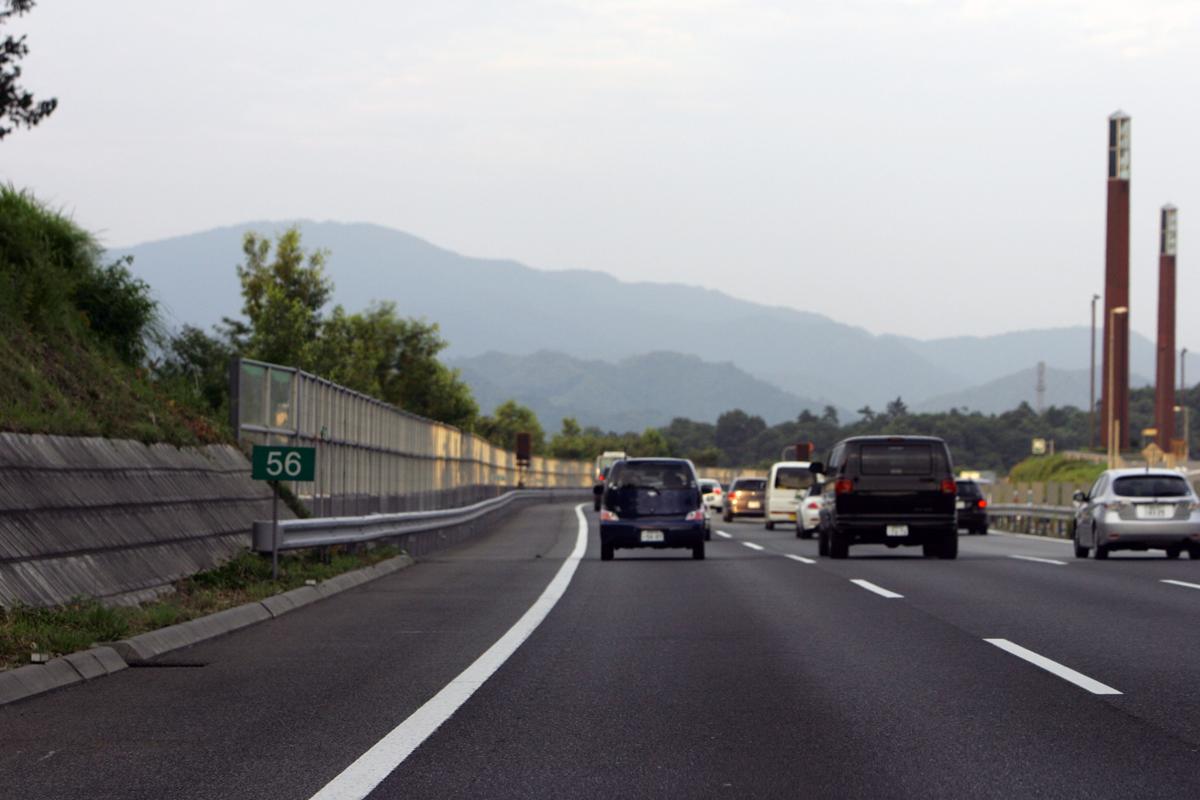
{"x": 873, "y": 528}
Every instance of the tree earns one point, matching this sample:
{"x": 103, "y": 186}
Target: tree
{"x": 897, "y": 408}
{"x": 509, "y": 419}
{"x": 198, "y": 364}
{"x": 282, "y": 298}
{"x": 830, "y": 416}
{"x": 17, "y": 106}
{"x": 867, "y": 413}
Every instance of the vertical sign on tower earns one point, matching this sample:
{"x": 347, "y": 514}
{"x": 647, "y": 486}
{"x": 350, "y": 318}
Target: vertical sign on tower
{"x": 1164, "y": 387}
{"x": 1114, "y": 404}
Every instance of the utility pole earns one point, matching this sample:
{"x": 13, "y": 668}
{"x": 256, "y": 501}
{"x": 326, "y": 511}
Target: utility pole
{"x": 1092, "y": 401}
{"x": 1187, "y": 442}
{"x": 1041, "y": 387}
{"x": 1115, "y": 402}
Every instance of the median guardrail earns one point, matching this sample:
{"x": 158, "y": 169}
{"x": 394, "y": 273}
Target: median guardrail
{"x": 300, "y": 534}
{"x": 1041, "y": 520}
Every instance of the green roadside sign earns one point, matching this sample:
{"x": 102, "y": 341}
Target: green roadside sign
{"x": 272, "y": 463}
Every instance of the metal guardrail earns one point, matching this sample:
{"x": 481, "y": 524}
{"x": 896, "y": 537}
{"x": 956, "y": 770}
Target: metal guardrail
{"x": 1042, "y": 520}
{"x": 299, "y": 534}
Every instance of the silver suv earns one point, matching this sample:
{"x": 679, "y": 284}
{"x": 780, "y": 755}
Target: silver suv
{"x": 1137, "y": 509}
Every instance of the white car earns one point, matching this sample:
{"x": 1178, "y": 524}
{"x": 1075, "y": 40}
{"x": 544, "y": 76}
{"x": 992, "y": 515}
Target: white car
{"x": 714, "y": 494}
{"x": 787, "y": 483}
{"x": 808, "y": 516}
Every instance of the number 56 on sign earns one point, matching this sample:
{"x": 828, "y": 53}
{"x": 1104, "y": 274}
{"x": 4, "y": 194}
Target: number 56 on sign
{"x": 270, "y": 463}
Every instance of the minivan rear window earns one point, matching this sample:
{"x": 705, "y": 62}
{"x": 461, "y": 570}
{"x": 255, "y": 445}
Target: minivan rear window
{"x": 656, "y": 475}
{"x": 793, "y": 478}
{"x": 1150, "y": 486}
{"x": 754, "y": 485}
{"x": 910, "y": 458}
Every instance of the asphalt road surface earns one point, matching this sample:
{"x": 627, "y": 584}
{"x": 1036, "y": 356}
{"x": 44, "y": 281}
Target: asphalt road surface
{"x": 763, "y": 671}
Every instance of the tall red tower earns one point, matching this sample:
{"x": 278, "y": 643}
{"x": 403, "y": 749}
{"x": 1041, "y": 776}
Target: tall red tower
{"x": 1114, "y": 404}
{"x": 1164, "y": 387}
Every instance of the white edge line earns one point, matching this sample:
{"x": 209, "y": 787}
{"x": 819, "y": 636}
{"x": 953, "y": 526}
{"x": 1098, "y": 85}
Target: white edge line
{"x": 752, "y": 545}
{"x": 1181, "y": 583}
{"x": 879, "y": 590}
{"x": 1053, "y": 667}
{"x": 801, "y": 559}
{"x": 368, "y": 771}
{"x": 1040, "y": 560}
{"x": 1033, "y": 536}
{"x": 724, "y": 535}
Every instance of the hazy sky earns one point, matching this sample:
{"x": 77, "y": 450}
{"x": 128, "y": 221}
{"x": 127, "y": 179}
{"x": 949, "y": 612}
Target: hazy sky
{"x": 925, "y": 168}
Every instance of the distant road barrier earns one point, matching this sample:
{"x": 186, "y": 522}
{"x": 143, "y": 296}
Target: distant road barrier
{"x": 374, "y": 457}
{"x": 1042, "y": 520}
{"x": 445, "y": 525}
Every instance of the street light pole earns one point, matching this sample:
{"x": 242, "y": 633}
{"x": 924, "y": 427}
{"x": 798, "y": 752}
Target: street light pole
{"x": 1092, "y": 405}
{"x": 1114, "y": 442}
{"x": 1187, "y": 442}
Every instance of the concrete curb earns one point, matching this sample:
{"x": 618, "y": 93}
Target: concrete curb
{"x": 98, "y": 662}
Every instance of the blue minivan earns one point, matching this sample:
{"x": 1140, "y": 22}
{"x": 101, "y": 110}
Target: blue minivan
{"x": 651, "y": 502}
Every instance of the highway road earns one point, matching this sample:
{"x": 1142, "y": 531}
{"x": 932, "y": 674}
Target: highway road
{"x": 763, "y": 671}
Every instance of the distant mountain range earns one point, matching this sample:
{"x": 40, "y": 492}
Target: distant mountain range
{"x": 487, "y": 306}
{"x": 1064, "y": 387}
{"x": 633, "y": 394}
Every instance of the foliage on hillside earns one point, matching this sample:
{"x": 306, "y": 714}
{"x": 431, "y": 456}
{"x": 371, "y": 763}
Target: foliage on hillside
{"x": 375, "y": 351}
{"x": 1058, "y": 468}
{"x": 73, "y": 334}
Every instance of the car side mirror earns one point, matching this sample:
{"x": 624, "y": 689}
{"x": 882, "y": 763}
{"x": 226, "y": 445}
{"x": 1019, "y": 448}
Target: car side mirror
{"x": 1079, "y": 497}
{"x": 598, "y": 489}
{"x": 817, "y": 467}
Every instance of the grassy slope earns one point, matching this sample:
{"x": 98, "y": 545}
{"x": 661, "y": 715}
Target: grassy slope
{"x": 1056, "y": 468}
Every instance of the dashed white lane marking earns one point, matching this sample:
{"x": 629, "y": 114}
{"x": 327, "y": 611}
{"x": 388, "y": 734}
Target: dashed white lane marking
{"x": 1040, "y": 560}
{"x": 1053, "y": 667}
{"x": 879, "y": 590}
{"x": 752, "y": 545}
{"x": 724, "y": 535}
{"x": 1181, "y": 583}
{"x": 360, "y": 778}
{"x": 801, "y": 559}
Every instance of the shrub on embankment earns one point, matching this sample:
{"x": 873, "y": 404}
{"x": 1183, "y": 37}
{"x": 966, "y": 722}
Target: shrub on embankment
{"x": 74, "y": 333}
{"x": 1056, "y": 469}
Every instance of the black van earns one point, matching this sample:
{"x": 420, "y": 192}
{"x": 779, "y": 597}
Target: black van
{"x": 891, "y": 490}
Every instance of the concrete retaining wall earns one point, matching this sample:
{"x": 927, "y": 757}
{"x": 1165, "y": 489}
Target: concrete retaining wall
{"x": 117, "y": 520}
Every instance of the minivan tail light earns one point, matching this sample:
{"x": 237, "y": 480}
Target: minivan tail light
{"x": 608, "y": 516}
{"x": 695, "y": 516}
{"x": 843, "y": 486}
{"x": 983, "y": 503}
{"x": 948, "y": 486}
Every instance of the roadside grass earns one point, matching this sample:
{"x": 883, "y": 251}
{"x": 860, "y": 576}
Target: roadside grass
{"x": 81, "y": 623}
{"x": 1056, "y": 468}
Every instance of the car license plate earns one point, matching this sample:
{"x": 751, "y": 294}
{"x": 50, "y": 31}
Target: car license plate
{"x": 1145, "y": 511}
{"x": 897, "y": 530}
{"x": 652, "y": 536}
{"x": 754, "y": 504}
{"x": 960, "y": 504}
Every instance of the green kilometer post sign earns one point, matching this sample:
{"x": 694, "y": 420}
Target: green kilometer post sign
{"x": 271, "y": 463}
{"x": 275, "y": 464}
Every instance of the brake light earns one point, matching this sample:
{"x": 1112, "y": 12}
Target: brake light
{"x": 717, "y": 490}
{"x": 843, "y": 486}
{"x": 608, "y": 516}
{"x": 695, "y": 516}
{"x": 814, "y": 505}
{"x": 948, "y": 486}
{"x": 983, "y": 503}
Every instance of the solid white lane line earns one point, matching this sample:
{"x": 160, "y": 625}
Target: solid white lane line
{"x": 752, "y": 545}
{"x": 1041, "y": 560}
{"x": 1181, "y": 583}
{"x": 724, "y": 535}
{"x": 879, "y": 590}
{"x": 1066, "y": 673}
{"x": 360, "y": 778}
{"x": 801, "y": 559}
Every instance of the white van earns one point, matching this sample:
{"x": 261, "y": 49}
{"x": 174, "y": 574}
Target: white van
{"x": 787, "y": 484}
